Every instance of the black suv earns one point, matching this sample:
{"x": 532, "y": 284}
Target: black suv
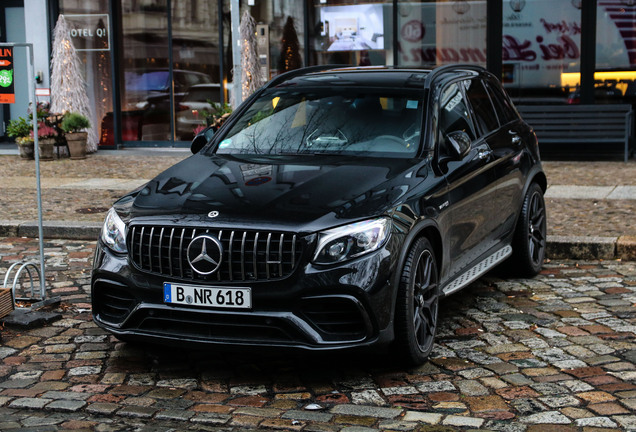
{"x": 332, "y": 210}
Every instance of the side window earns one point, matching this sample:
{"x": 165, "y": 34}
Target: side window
{"x": 505, "y": 110}
{"x": 454, "y": 115}
{"x": 485, "y": 114}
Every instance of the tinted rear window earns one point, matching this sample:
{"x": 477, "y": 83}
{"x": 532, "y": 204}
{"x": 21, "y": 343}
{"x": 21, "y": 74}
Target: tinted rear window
{"x": 480, "y": 101}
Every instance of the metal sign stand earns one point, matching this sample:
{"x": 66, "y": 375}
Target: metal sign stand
{"x": 20, "y": 267}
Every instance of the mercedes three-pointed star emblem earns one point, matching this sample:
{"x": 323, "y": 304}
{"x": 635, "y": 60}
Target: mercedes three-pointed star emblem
{"x": 205, "y": 254}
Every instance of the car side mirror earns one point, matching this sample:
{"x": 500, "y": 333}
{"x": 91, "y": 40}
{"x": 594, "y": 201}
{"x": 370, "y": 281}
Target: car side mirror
{"x": 458, "y": 142}
{"x": 201, "y": 139}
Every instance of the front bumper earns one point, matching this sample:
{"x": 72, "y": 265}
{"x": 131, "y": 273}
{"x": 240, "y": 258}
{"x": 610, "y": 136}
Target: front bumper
{"x": 344, "y": 306}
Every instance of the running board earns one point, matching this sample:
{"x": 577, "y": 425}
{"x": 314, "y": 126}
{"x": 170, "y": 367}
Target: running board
{"x": 474, "y": 273}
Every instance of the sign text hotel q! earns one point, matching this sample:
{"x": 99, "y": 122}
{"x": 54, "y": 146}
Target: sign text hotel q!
{"x": 89, "y": 32}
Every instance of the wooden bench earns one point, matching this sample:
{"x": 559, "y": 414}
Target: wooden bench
{"x": 582, "y": 124}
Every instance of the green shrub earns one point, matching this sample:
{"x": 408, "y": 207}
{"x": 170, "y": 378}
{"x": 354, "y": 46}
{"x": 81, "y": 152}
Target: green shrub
{"x": 216, "y": 115}
{"x": 74, "y": 122}
{"x": 19, "y": 127}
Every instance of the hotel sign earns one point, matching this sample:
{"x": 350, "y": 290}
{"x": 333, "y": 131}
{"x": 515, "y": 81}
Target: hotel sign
{"x": 89, "y": 32}
{"x": 7, "y": 90}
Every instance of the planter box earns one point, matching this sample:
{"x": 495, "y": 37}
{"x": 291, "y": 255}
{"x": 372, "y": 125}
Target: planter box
{"x": 6, "y": 302}
{"x": 26, "y": 151}
{"x": 47, "y": 145}
{"x": 77, "y": 144}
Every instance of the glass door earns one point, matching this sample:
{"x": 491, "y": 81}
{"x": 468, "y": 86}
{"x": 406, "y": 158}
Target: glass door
{"x": 170, "y": 76}
{"x": 196, "y": 52}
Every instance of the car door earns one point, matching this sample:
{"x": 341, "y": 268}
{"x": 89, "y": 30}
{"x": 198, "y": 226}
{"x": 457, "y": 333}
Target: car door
{"x": 469, "y": 181}
{"x": 502, "y": 158}
{"x": 507, "y": 146}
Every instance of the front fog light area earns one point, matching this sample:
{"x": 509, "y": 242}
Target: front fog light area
{"x": 351, "y": 241}
{"x": 114, "y": 232}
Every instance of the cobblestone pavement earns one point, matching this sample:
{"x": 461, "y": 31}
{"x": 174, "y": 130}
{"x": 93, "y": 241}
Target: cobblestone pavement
{"x": 84, "y": 190}
{"x": 554, "y": 353}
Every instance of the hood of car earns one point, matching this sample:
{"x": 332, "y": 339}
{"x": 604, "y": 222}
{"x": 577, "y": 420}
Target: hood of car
{"x": 309, "y": 192}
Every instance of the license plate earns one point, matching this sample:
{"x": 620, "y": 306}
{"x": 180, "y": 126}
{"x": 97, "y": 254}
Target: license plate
{"x": 207, "y": 296}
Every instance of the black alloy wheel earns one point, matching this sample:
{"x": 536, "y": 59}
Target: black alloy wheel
{"x": 417, "y": 303}
{"x": 530, "y": 236}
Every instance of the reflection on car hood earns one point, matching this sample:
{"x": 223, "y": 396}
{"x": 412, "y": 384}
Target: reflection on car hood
{"x": 310, "y": 191}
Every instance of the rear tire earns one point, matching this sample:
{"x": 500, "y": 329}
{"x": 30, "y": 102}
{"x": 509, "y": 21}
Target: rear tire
{"x": 529, "y": 243}
{"x": 417, "y": 304}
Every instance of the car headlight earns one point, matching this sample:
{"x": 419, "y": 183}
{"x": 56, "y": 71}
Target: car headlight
{"x": 114, "y": 232}
{"x": 351, "y": 241}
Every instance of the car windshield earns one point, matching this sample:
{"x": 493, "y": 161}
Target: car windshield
{"x": 373, "y": 122}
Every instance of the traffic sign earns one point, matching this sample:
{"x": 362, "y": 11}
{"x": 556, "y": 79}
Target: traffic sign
{"x": 7, "y": 90}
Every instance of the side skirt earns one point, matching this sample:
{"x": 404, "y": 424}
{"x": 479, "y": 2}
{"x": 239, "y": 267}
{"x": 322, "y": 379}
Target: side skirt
{"x": 475, "y": 272}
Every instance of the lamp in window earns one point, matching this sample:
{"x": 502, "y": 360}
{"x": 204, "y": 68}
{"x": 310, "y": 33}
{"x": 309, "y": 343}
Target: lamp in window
{"x": 517, "y": 5}
{"x": 577, "y": 3}
{"x": 461, "y": 7}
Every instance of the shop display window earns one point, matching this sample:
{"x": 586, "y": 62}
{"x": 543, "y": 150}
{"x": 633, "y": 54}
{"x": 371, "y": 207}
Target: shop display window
{"x": 615, "y": 76}
{"x": 351, "y": 33}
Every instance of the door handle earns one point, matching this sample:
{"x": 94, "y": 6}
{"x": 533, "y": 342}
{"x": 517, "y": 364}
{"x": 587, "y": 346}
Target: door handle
{"x": 484, "y": 154}
{"x": 516, "y": 139}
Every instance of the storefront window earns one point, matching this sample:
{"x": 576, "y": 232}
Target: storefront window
{"x": 541, "y": 50}
{"x": 163, "y": 97}
{"x": 280, "y": 35}
{"x": 145, "y": 85}
{"x": 195, "y": 57}
{"x": 432, "y": 33}
{"x": 350, "y": 33}
{"x": 615, "y": 77}
{"x": 90, "y": 32}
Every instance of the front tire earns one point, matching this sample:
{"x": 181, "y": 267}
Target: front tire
{"x": 529, "y": 242}
{"x": 417, "y": 304}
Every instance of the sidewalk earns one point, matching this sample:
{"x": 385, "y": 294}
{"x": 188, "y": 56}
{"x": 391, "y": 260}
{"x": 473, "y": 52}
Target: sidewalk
{"x": 591, "y": 205}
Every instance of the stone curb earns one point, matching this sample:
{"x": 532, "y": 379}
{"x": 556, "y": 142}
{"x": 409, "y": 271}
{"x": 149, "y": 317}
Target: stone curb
{"x": 573, "y": 247}
{"x": 51, "y": 229}
{"x": 559, "y": 247}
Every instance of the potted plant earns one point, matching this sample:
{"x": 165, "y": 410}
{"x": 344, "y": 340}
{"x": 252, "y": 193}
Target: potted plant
{"x": 20, "y": 129}
{"x": 73, "y": 125}
{"x": 46, "y": 140}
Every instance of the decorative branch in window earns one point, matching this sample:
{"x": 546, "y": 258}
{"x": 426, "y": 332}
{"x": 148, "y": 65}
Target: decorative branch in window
{"x": 250, "y": 69}
{"x": 68, "y": 88}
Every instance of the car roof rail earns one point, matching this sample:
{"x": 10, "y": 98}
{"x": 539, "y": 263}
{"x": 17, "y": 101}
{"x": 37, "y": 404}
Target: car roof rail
{"x": 302, "y": 71}
{"x": 445, "y": 68}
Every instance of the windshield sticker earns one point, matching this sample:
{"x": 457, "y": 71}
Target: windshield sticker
{"x": 257, "y": 181}
{"x": 411, "y": 104}
{"x": 225, "y": 143}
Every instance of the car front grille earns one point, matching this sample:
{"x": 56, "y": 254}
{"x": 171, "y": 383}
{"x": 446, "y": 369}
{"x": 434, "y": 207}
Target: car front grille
{"x": 247, "y": 255}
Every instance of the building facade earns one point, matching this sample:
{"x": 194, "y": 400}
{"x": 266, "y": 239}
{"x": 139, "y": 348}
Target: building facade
{"x": 153, "y": 66}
